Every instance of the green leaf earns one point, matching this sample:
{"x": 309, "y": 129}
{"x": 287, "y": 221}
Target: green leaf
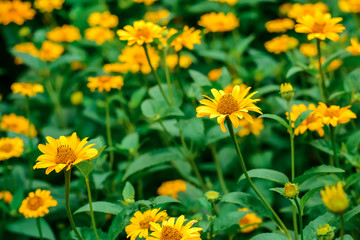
{"x": 165, "y": 199}
{"x": 323, "y": 145}
{"x": 101, "y": 206}
{"x": 301, "y": 118}
{"x": 128, "y": 192}
{"x": 137, "y": 97}
{"x": 276, "y": 118}
{"x": 307, "y": 196}
{"x": 193, "y": 129}
{"x": 118, "y": 225}
{"x": 172, "y": 38}
{"x": 130, "y": 141}
{"x": 292, "y": 71}
{"x": 243, "y": 45}
{"x": 172, "y": 112}
{"x": 65, "y": 59}
{"x": 18, "y": 197}
{"x": 320, "y": 170}
{"x": 199, "y": 78}
{"x": 353, "y": 141}
{"x": 267, "y": 89}
{"x": 28, "y": 227}
{"x": 226, "y": 221}
{"x": 352, "y": 179}
{"x": 268, "y": 236}
{"x": 215, "y": 134}
{"x": 85, "y": 168}
{"x": 340, "y": 54}
{"x": 225, "y": 78}
{"x": 29, "y": 60}
{"x": 88, "y": 233}
{"x": 351, "y": 213}
{"x": 152, "y": 108}
{"x": 268, "y": 174}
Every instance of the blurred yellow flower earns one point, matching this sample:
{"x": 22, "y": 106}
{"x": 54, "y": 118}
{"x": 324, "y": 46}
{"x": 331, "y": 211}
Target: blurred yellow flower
{"x": 160, "y": 17}
{"x": 281, "y": 44}
{"x": 335, "y": 199}
{"x": 308, "y": 49}
{"x": 172, "y": 188}
{"x": 285, "y": 8}
{"x": 214, "y": 74}
{"x": 6, "y": 196}
{"x": 325, "y": 232}
{"x": 354, "y": 49}
{"x": 234, "y": 106}
{"x": 17, "y": 124}
{"x": 99, "y": 34}
{"x": 48, "y": 5}
{"x": 105, "y": 82}
{"x": 64, "y": 153}
{"x": 146, "y": 2}
{"x": 334, "y": 115}
{"x": 219, "y": 22}
{"x": 279, "y": 25}
{"x": 249, "y": 222}
{"x": 320, "y": 26}
{"x": 298, "y": 10}
{"x": 15, "y": 11}
{"x": 333, "y": 66}
{"x": 291, "y": 191}
{"x": 77, "y": 65}
{"x": 49, "y": 51}
{"x": 65, "y": 33}
{"x": 105, "y": 20}
{"x": 116, "y": 68}
{"x": 26, "y": 47}
{"x": 27, "y": 89}
{"x": 76, "y": 98}
{"x": 10, "y": 147}
{"x": 352, "y": 6}
{"x": 248, "y": 128}
{"x": 187, "y": 38}
{"x": 172, "y": 61}
{"x": 37, "y": 204}
{"x": 230, "y": 87}
{"x": 230, "y": 2}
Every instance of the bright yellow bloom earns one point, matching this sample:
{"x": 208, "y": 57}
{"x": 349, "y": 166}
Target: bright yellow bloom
{"x": 76, "y": 98}
{"x": 6, "y": 196}
{"x": 116, "y": 68}
{"x": 247, "y": 127}
{"x": 10, "y": 147}
{"x": 279, "y": 25}
{"x": 320, "y": 26}
{"x": 160, "y": 17}
{"x": 99, "y": 34}
{"x": 298, "y": 10}
{"x": 27, "y": 89}
{"x": 172, "y": 188}
{"x": 105, "y": 82}
{"x": 334, "y": 114}
{"x": 325, "y": 232}
{"x": 140, "y": 223}
{"x": 63, "y": 153}
{"x": 17, "y": 124}
{"x": 187, "y": 39}
{"x": 281, "y": 44}
{"x": 354, "y": 49}
{"x": 37, "y": 204}
{"x": 308, "y": 49}
{"x": 234, "y": 106}
{"x": 214, "y": 74}
{"x": 48, "y": 5}
{"x": 105, "y": 20}
{"x": 352, "y": 6}
{"x": 249, "y": 222}
{"x": 172, "y": 61}
{"x": 230, "y": 2}
{"x": 335, "y": 199}
{"x": 291, "y": 191}
{"x": 219, "y": 22}
{"x": 230, "y": 87}
{"x": 175, "y": 230}
{"x": 49, "y": 51}
{"x": 141, "y": 32}
{"x": 65, "y": 33}
{"x": 146, "y": 2}
{"x": 15, "y": 11}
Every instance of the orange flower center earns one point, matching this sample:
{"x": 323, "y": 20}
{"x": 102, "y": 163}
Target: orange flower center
{"x": 65, "y": 155}
{"x": 143, "y": 33}
{"x": 7, "y": 147}
{"x": 34, "y": 203}
{"x": 170, "y": 233}
{"x": 104, "y": 79}
{"x": 145, "y": 223}
{"x": 318, "y": 27}
{"x": 227, "y": 105}
{"x": 245, "y": 220}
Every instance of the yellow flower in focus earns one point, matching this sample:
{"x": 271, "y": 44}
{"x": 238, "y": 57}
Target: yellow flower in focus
{"x": 116, "y": 68}
{"x": 230, "y": 2}
{"x": 187, "y": 39}
{"x": 37, "y": 204}
{"x": 76, "y": 98}
{"x": 219, "y": 22}
{"x": 298, "y": 10}
{"x": 63, "y": 153}
{"x": 352, "y": 6}
{"x": 17, "y": 124}
{"x": 279, "y": 25}
{"x": 146, "y": 2}
{"x": 354, "y": 49}
{"x": 49, "y": 51}
{"x": 140, "y": 33}
{"x": 335, "y": 199}
{"x": 27, "y": 89}
{"x": 291, "y": 191}
{"x": 105, "y": 20}
{"x": 325, "y": 232}
{"x": 172, "y": 229}
{"x": 247, "y": 127}
{"x": 320, "y": 26}
{"x": 105, "y": 82}
{"x": 10, "y": 147}
{"x": 172, "y": 61}
{"x": 234, "y": 106}
{"x": 15, "y": 11}
{"x": 249, "y": 222}
{"x": 172, "y": 188}
{"x": 308, "y": 49}
{"x": 48, "y": 5}
{"x": 99, "y": 34}
{"x": 281, "y": 44}
{"x": 214, "y": 74}
{"x": 334, "y": 115}
{"x": 140, "y": 223}
{"x": 65, "y": 33}
{"x": 77, "y": 65}
{"x": 6, "y": 196}
{"x": 160, "y": 17}
{"x": 287, "y": 91}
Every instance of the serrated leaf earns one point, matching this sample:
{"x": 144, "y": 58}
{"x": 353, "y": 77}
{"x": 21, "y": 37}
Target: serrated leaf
{"x": 101, "y": 206}
{"x": 301, "y": 118}
{"x": 199, "y": 78}
{"x": 276, "y": 118}
{"x": 268, "y": 174}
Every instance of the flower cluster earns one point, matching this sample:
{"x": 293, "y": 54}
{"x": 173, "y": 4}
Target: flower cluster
{"x": 219, "y": 22}
{"x": 15, "y": 11}
{"x": 281, "y": 44}
{"x": 100, "y": 24}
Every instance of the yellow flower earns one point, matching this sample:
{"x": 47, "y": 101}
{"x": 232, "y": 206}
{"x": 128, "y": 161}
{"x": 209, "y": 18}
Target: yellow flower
{"x": 187, "y": 39}
{"x": 140, "y": 223}
{"x": 10, "y": 147}
{"x": 291, "y": 191}
{"x": 281, "y": 44}
{"x": 146, "y": 2}
{"x": 308, "y": 49}
{"x": 354, "y": 49}
{"x": 37, "y": 204}
{"x": 333, "y": 66}
{"x": 352, "y": 6}
{"x": 27, "y": 47}
{"x": 141, "y": 32}
{"x": 334, "y": 114}
{"x": 65, "y": 33}
{"x": 105, "y": 82}
{"x": 116, "y": 68}
{"x": 279, "y": 25}
{"x": 172, "y": 188}
{"x": 230, "y": 2}
{"x": 286, "y": 91}
{"x": 48, "y": 5}
{"x": 27, "y": 89}
{"x": 247, "y": 127}
{"x": 6, "y": 196}
{"x": 320, "y": 26}
{"x": 161, "y": 17}
{"x": 335, "y": 199}
{"x": 230, "y": 87}
{"x": 76, "y": 98}
{"x": 15, "y": 11}
{"x": 325, "y": 232}
{"x": 172, "y": 61}
{"x": 49, "y": 51}
{"x": 212, "y": 196}
{"x": 249, "y": 222}
{"x": 175, "y": 230}
{"x": 17, "y": 124}
{"x": 219, "y": 22}
{"x": 285, "y": 8}
{"x": 234, "y": 106}
{"x": 105, "y": 20}
{"x": 214, "y": 74}
{"x": 298, "y": 10}
{"x": 99, "y": 34}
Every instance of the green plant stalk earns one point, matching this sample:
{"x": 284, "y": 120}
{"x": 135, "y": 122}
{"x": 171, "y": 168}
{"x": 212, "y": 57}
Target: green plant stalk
{"x": 156, "y": 76}
{"x": 91, "y": 208}
{"x": 179, "y": 74}
{"x": 55, "y": 98}
{"x": 67, "y": 204}
{"x": 218, "y": 169}
{"x": 322, "y": 75}
{"x": 39, "y": 228}
{"x": 300, "y": 218}
{"x": 295, "y": 223}
{"x": 342, "y": 227}
{"x": 31, "y": 170}
{"x": 167, "y": 76}
{"x": 108, "y": 130}
{"x": 197, "y": 173}
{"x": 212, "y": 221}
{"x": 333, "y": 143}
{"x": 243, "y": 167}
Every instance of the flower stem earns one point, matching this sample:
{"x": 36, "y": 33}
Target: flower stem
{"x": 212, "y": 221}
{"x": 243, "y": 167}
{"x": 295, "y": 223}
{"x": 333, "y": 143}
{"x": 67, "y": 204}
{"x": 108, "y": 130}
{"x": 342, "y": 227}
{"x": 31, "y": 170}
{"x": 39, "y": 228}
{"x": 300, "y": 218}
{"x": 218, "y": 169}
{"x": 167, "y": 75}
{"x": 322, "y": 76}
{"x": 91, "y": 208}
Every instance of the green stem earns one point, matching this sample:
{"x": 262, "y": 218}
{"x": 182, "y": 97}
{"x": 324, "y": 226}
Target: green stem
{"x": 179, "y": 75}
{"x": 300, "y": 219}
{"x": 243, "y": 167}
{"x": 67, "y": 204}
{"x": 322, "y": 76}
{"x": 167, "y": 75}
{"x": 197, "y": 173}
{"x": 212, "y": 221}
{"x": 31, "y": 170}
{"x": 6, "y": 175}
{"x": 291, "y": 133}
{"x": 218, "y": 169}
{"x": 91, "y": 208}
{"x": 39, "y": 228}
{"x": 156, "y": 76}
{"x": 295, "y": 223}
{"x": 333, "y": 143}
{"x": 108, "y": 130}
{"x": 55, "y": 98}
{"x": 342, "y": 227}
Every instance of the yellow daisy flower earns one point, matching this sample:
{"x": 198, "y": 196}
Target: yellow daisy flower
{"x": 49, "y": 51}
{"x": 48, "y": 5}
{"x": 352, "y": 6}
{"x": 27, "y": 89}
{"x": 308, "y": 49}
{"x": 234, "y": 106}
{"x": 279, "y": 25}
{"x": 15, "y": 11}
{"x": 10, "y": 147}
{"x": 172, "y": 61}
{"x": 27, "y": 47}
{"x": 105, "y": 19}
{"x": 37, "y": 204}
{"x": 187, "y": 39}
{"x": 354, "y": 49}
{"x": 6, "y": 196}
{"x": 140, "y": 223}
{"x": 63, "y": 153}
{"x": 219, "y": 22}
{"x": 99, "y": 34}
{"x": 65, "y": 33}
{"x": 146, "y": 2}
{"x": 105, "y": 82}
{"x": 334, "y": 115}
{"x": 17, "y": 124}
{"x": 247, "y": 127}
{"x": 281, "y": 44}
{"x": 230, "y": 2}
{"x": 116, "y": 68}
{"x": 298, "y": 10}
{"x": 335, "y": 199}
{"x": 172, "y": 188}
{"x": 249, "y": 222}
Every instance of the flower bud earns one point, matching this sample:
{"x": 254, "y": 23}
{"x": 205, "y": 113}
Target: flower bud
{"x": 212, "y": 196}
{"x": 325, "y": 232}
{"x": 287, "y": 91}
{"x": 291, "y": 191}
